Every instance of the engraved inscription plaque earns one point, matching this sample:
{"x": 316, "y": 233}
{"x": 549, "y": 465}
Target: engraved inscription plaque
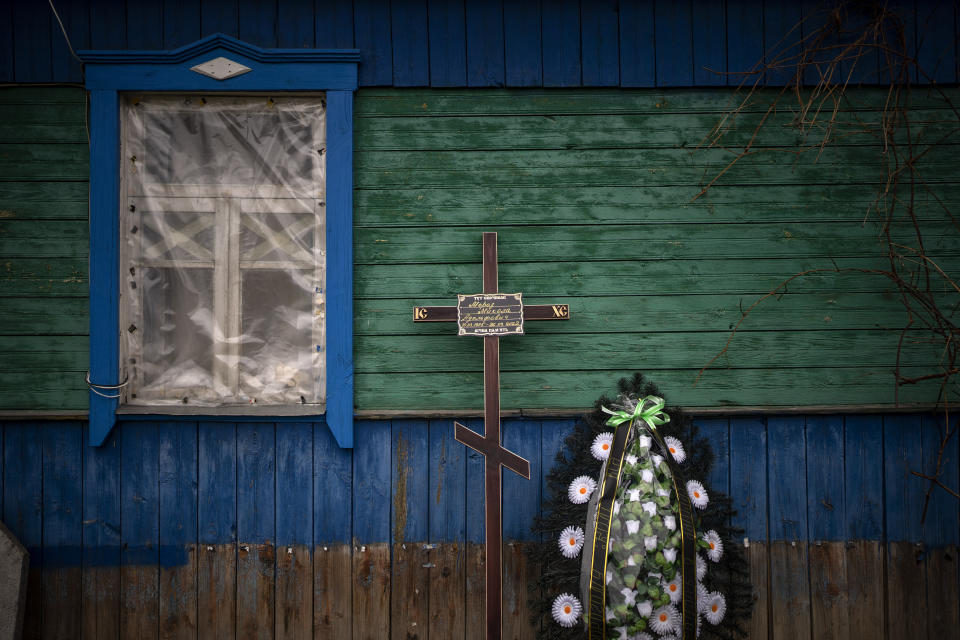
{"x": 490, "y": 314}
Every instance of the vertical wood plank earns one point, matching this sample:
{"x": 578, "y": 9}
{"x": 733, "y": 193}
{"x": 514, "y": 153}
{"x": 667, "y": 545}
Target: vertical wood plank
{"x": 181, "y": 23}
{"x": 941, "y": 529}
{"x": 744, "y": 43}
{"x": 257, "y": 22}
{"x": 62, "y": 534}
{"x": 218, "y": 16}
{"x": 790, "y": 587}
{"x": 23, "y": 510}
{"x": 782, "y": 32}
{"x": 522, "y": 48}
{"x": 294, "y": 596}
{"x": 295, "y": 24}
{"x": 476, "y": 566}
{"x": 332, "y": 521}
{"x": 139, "y": 505}
{"x": 637, "y": 45}
{"x": 409, "y": 34}
{"x": 6, "y": 41}
{"x": 561, "y": 43}
{"x": 826, "y": 509}
{"x": 863, "y": 471}
{"x": 108, "y": 27}
{"x": 75, "y": 15}
{"x": 371, "y": 33}
{"x": 860, "y": 63}
{"x": 410, "y": 581}
{"x": 674, "y": 37}
{"x": 145, "y": 24}
{"x": 333, "y": 24}
{"x": 906, "y": 584}
{"x": 485, "y": 42}
{"x": 521, "y": 505}
{"x": 600, "y": 57}
{"x": 101, "y": 538}
{"x": 448, "y": 43}
{"x": 937, "y": 40}
{"x": 814, "y": 16}
{"x": 371, "y": 530}
{"x": 748, "y": 491}
{"x": 256, "y": 529}
{"x": 447, "y": 518}
{"x": 31, "y": 38}
{"x": 178, "y": 529}
{"x": 709, "y": 44}
{"x": 217, "y": 518}
{"x": 717, "y": 433}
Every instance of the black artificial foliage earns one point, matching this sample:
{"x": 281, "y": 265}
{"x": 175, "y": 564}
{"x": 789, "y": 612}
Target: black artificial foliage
{"x": 562, "y": 575}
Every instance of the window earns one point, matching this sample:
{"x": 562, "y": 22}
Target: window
{"x": 221, "y": 263}
{"x": 223, "y": 251}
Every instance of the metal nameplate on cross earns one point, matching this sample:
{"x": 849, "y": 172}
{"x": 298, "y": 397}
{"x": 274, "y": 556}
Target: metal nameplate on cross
{"x": 490, "y": 315}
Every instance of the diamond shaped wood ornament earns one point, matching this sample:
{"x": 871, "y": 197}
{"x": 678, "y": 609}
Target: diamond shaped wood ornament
{"x": 221, "y": 68}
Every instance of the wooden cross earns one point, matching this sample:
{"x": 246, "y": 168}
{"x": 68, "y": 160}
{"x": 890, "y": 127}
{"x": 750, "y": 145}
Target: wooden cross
{"x": 497, "y": 322}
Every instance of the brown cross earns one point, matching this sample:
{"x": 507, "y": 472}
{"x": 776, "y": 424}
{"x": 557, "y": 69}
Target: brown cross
{"x": 488, "y": 445}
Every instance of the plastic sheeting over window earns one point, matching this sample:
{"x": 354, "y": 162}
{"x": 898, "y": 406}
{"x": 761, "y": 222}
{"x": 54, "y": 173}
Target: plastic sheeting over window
{"x": 223, "y": 250}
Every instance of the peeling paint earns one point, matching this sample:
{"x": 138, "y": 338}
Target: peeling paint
{"x": 7, "y": 213}
{"x": 443, "y": 460}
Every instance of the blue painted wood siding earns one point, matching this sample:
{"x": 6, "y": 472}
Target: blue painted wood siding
{"x": 471, "y": 43}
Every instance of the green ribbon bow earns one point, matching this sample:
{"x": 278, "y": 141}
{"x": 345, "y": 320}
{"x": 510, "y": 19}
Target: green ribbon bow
{"x": 648, "y": 409}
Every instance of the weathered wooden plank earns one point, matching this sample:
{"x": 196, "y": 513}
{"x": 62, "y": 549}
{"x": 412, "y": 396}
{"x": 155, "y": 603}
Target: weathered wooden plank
{"x": 62, "y": 529}
{"x": 578, "y": 389}
{"x": 906, "y": 584}
{"x": 485, "y": 43}
{"x": 219, "y": 16}
{"x": 145, "y": 24}
{"x": 447, "y": 514}
{"x": 139, "y": 504}
{"x": 783, "y": 30}
{"x": 100, "y": 605}
{"x": 637, "y": 44}
{"x": 177, "y": 536}
{"x": 64, "y": 317}
{"x": 181, "y": 23}
{"x": 371, "y": 34}
{"x": 294, "y": 596}
{"x": 598, "y": 33}
{"x": 448, "y": 44}
{"x": 31, "y": 37}
{"x": 475, "y": 555}
{"x": 709, "y": 44}
{"x": 66, "y": 277}
{"x": 23, "y": 510}
{"x": 863, "y": 475}
{"x": 53, "y": 161}
{"x": 333, "y": 24}
{"x": 294, "y": 29}
{"x": 6, "y": 43}
{"x": 521, "y": 505}
{"x": 789, "y": 581}
{"x": 412, "y": 557}
{"x": 371, "y": 530}
{"x": 936, "y": 52}
{"x": 256, "y": 529}
{"x": 108, "y": 27}
{"x": 674, "y": 25}
{"x": 744, "y": 48}
{"x": 217, "y": 536}
{"x": 748, "y": 492}
{"x": 257, "y": 22}
{"x": 30, "y": 238}
{"x": 34, "y": 195}
{"x": 44, "y": 353}
{"x": 332, "y": 526}
{"x": 522, "y": 43}
{"x": 717, "y": 433}
{"x": 408, "y": 21}
{"x": 560, "y": 28}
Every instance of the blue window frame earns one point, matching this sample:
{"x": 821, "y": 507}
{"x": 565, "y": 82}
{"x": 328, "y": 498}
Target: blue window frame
{"x": 110, "y": 73}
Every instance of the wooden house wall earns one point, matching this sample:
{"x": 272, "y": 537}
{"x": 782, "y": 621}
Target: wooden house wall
{"x": 203, "y": 530}
{"x": 472, "y": 43}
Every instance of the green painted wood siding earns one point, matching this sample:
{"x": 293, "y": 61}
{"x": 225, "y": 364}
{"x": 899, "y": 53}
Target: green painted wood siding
{"x": 592, "y": 195}
{"x": 43, "y": 248}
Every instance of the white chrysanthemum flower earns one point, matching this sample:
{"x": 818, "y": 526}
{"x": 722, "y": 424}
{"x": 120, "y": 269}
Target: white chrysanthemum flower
{"x": 698, "y": 495}
{"x": 634, "y": 495}
{"x": 665, "y": 619}
{"x": 669, "y": 636}
{"x": 702, "y": 596}
{"x": 609, "y": 614}
{"x": 675, "y": 448}
{"x": 715, "y": 552}
{"x": 566, "y": 610}
{"x": 571, "y": 542}
{"x": 716, "y": 608}
{"x": 663, "y": 493}
{"x": 699, "y": 624}
{"x": 670, "y": 522}
{"x": 701, "y": 567}
{"x": 650, "y": 507}
{"x": 656, "y": 460}
{"x": 601, "y": 446}
{"x": 623, "y": 633}
{"x": 609, "y": 576}
{"x": 630, "y": 561}
{"x": 643, "y": 635}
{"x": 631, "y": 459}
{"x": 629, "y": 596}
{"x": 674, "y": 589}
{"x": 670, "y": 553}
{"x": 644, "y": 442}
{"x": 616, "y": 508}
{"x": 580, "y": 489}
{"x": 650, "y": 543}
{"x": 646, "y": 475}
{"x": 633, "y": 526}
{"x": 645, "y": 608}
